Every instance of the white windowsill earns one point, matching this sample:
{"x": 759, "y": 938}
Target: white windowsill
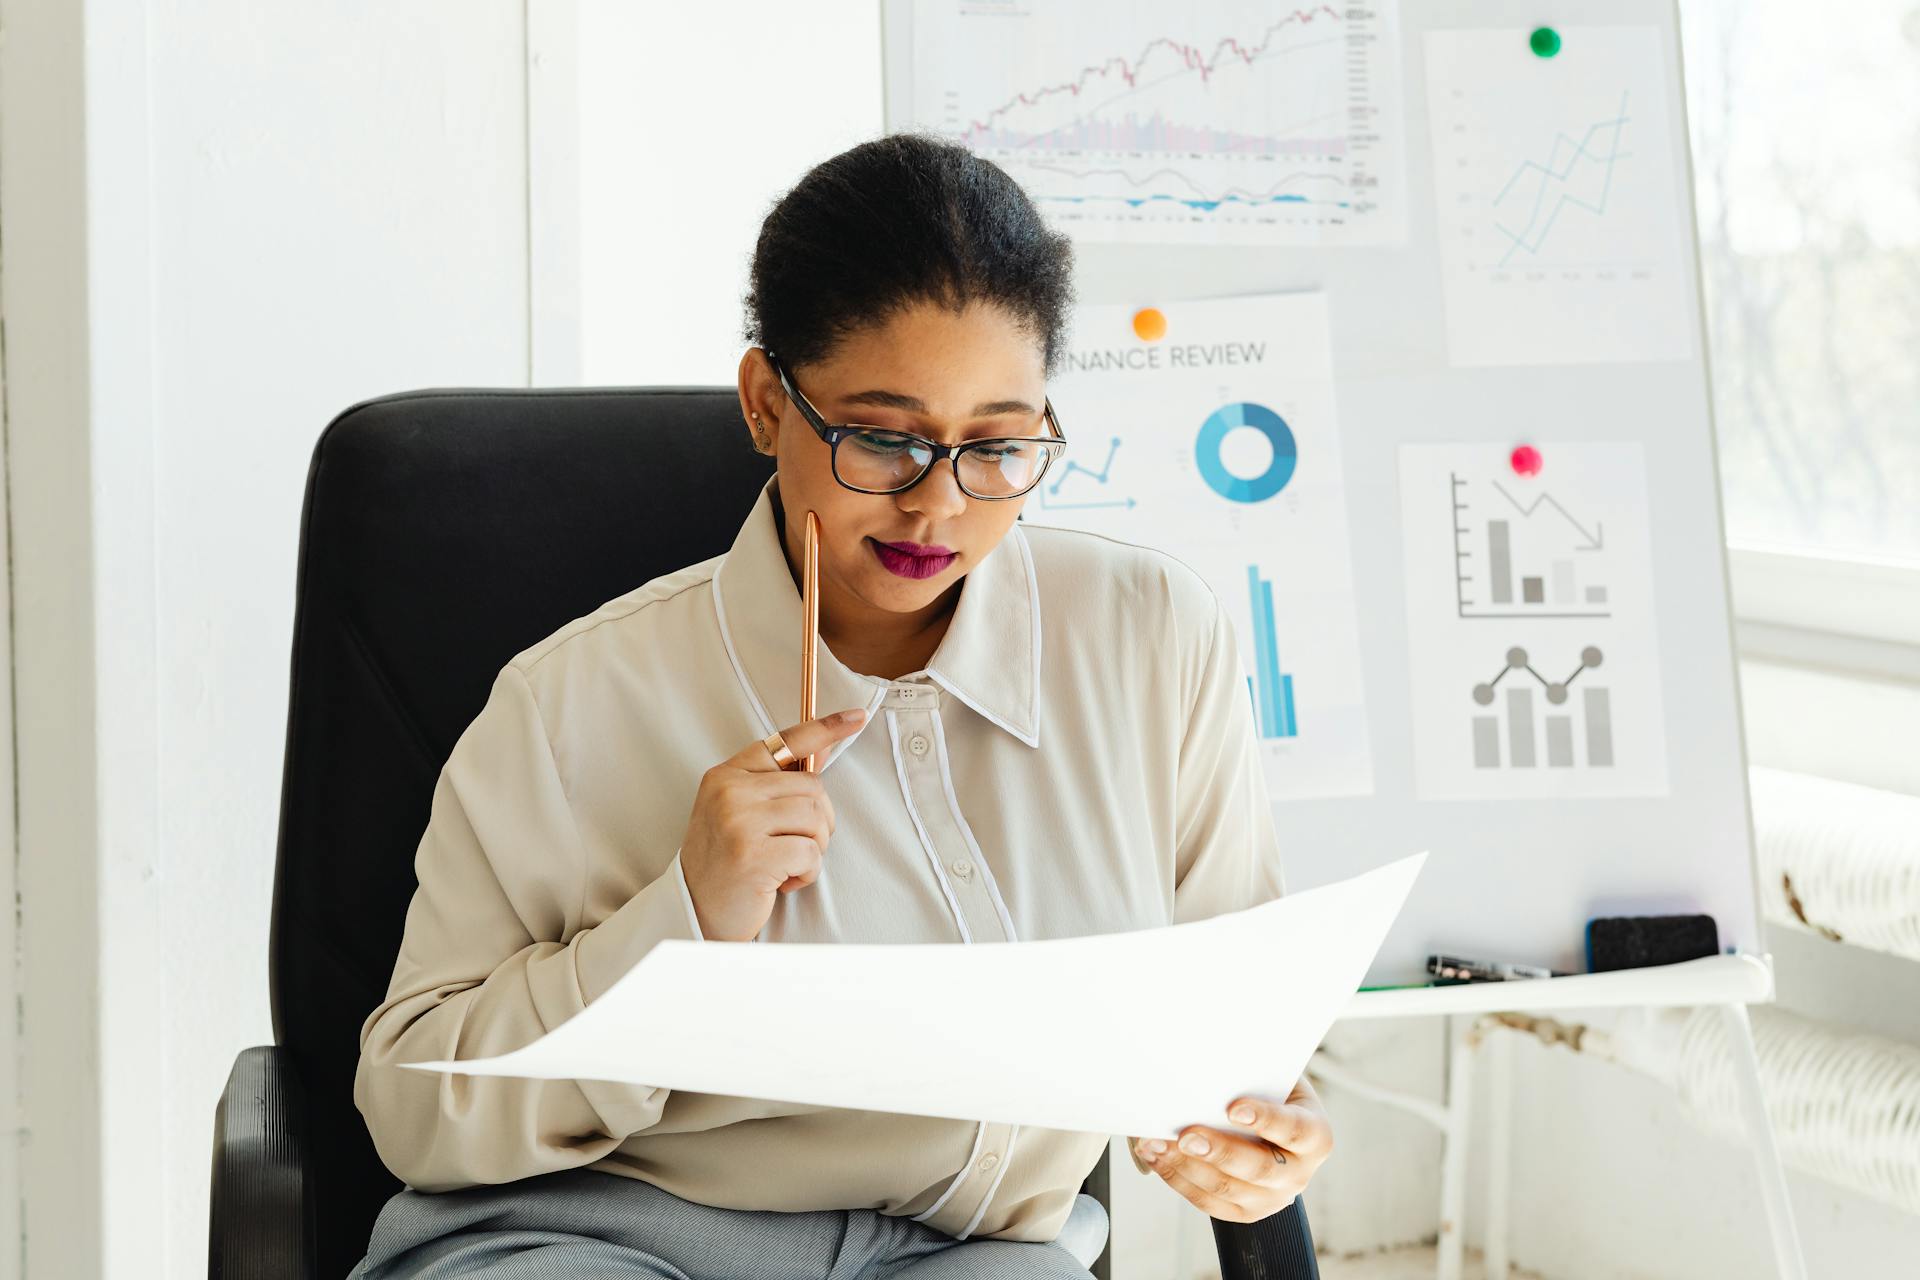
{"x": 1850, "y": 614}
{"x": 1867, "y": 598}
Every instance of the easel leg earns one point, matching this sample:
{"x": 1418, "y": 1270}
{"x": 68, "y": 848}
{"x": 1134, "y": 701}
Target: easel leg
{"x": 1773, "y": 1176}
{"x": 1453, "y": 1172}
{"x": 1500, "y": 1123}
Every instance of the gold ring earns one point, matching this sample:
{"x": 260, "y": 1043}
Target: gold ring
{"x": 782, "y": 753}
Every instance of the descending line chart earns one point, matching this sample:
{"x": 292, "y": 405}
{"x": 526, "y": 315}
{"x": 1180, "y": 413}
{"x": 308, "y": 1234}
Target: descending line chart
{"x": 1222, "y": 121}
{"x": 1556, "y": 184}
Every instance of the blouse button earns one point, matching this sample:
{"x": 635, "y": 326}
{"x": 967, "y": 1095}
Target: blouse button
{"x": 918, "y": 744}
{"x": 962, "y": 868}
{"x": 988, "y": 1161}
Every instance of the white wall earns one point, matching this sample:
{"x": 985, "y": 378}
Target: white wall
{"x": 277, "y": 209}
{"x": 694, "y": 119}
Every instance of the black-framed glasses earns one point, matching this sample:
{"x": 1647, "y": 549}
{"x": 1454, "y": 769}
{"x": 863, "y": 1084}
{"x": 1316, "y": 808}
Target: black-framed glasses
{"x": 882, "y": 460}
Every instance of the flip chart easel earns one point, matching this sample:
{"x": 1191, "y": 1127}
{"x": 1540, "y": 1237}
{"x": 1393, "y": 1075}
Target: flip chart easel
{"x": 1510, "y": 260}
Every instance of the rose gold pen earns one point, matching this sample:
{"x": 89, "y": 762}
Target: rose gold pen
{"x": 810, "y": 623}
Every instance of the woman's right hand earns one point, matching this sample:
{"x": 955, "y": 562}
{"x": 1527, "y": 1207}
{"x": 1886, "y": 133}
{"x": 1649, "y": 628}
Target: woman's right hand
{"x": 758, "y": 831}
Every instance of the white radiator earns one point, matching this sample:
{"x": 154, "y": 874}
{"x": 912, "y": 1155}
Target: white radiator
{"x": 1844, "y": 1105}
{"x": 1839, "y": 859}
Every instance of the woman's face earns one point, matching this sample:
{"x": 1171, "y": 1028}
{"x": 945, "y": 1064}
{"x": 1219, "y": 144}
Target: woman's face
{"x": 950, "y": 377}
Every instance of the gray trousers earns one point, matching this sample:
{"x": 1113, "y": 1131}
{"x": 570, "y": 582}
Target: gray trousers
{"x": 582, "y": 1224}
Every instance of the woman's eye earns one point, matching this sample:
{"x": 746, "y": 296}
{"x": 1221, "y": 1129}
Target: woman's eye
{"x": 1001, "y": 453}
{"x": 886, "y": 446}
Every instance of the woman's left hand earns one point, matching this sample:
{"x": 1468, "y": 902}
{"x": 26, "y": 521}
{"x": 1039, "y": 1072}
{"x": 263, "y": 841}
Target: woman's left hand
{"x": 1238, "y": 1178}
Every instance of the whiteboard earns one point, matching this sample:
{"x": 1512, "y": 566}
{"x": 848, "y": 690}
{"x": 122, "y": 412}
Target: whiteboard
{"x": 1448, "y": 351}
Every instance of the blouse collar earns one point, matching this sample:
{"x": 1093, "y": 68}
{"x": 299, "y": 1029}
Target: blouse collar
{"x": 989, "y": 657}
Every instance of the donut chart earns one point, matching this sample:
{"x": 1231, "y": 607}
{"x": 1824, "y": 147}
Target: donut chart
{"x": 1213, "y": 433}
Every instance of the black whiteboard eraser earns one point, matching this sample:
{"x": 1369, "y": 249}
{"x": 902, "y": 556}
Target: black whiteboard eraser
{"x": 1635, "y": 942}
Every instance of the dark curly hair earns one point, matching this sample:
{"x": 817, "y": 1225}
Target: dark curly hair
{"x": 899, "y": 220}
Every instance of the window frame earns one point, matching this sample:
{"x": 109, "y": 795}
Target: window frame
{"x": 1854, "y": 612}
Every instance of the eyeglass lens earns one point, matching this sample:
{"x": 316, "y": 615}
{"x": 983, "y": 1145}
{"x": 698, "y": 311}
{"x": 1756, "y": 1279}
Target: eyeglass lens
{"x": 881, "y": 461}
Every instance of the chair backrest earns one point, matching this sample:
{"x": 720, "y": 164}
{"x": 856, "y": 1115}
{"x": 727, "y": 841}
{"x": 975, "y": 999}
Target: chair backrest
{"x": 443, "y": 532}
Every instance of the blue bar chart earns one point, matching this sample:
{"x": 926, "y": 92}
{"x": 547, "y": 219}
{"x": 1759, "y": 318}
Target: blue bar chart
{"x": 1271, "y": 691}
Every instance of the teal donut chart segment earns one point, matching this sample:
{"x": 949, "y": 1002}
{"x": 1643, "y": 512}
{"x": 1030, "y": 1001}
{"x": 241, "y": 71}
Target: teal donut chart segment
{"x": 1214, "y": 431}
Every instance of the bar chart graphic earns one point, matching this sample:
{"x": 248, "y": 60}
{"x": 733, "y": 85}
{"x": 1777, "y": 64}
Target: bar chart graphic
{"x": 1518, "y": 558}
{"x": 1522, "y": 732}
{"x": 1272, "y": 690}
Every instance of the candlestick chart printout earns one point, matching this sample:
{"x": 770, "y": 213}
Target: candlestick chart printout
{"x": 1209, "y": 122}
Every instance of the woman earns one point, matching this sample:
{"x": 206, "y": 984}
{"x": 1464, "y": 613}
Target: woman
{"x": 629, "y": 780}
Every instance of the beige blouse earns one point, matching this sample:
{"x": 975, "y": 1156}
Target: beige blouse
{"x": 1079, "y": 756}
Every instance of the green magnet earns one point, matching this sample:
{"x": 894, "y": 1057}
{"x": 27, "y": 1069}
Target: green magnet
{"x": 1544, "y": 41}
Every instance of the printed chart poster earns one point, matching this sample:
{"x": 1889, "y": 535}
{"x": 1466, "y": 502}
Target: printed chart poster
{"x": 1560, "y": 216}
{"x": 1535, "y": 665}
{"x": 1209, "y": 122}
{"x": 1206, "y": 430}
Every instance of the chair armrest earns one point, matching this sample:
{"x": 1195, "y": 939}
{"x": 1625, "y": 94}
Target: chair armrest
{"x": 1278, "y": 1247}
{"x": 1099, "y": 1185}
{"x": 261, "y": 1208}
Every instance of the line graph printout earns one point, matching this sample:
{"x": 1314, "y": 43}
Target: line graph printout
{"x": 1206, "y": 429}
{"x": 1212, "y": 122}
{"x": 1534, "y": 660}
{"x": 1560, "y": 218}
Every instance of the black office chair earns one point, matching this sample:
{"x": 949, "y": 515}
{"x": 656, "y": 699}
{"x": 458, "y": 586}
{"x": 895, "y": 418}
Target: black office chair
{"x": 443, "y": 532}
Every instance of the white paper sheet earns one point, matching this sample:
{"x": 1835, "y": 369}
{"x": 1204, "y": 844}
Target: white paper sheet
{"x": 1219, "y": 442}
{"x": 1534, "y": 654}
{"x": 1562, "y": 210}
{"x": 1128, "y": 1033}
{"x": 1209, "y": 122}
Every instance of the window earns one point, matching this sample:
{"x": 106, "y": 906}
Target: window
{"x": 1806, "y": 142}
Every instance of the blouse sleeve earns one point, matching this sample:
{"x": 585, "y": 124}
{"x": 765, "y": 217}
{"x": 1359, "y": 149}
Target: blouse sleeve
{"x": 494, "y": 956}
{"x": 1227, "y": 855}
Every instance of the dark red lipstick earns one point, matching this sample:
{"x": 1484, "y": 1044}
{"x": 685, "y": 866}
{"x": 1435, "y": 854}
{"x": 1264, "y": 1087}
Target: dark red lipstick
{"x": 912, "y": 559}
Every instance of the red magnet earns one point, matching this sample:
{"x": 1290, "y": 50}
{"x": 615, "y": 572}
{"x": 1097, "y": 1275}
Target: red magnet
{"x": 1526, "y": 461}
